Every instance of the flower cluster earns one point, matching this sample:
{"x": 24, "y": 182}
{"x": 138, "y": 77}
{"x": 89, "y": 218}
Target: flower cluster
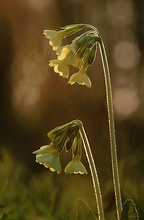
{"x": 63, "y": 137}
{"x": 80, "y": 53}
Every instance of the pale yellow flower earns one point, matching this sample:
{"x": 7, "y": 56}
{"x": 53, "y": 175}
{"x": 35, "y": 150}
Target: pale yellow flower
{"x": 80, "y": 77}
{"x": 75, "y": 166}
{"x": 61, "y": 67}
{"x": 55, "y": 37}
{"x": 64, "y": 51}
{"x": 66, "y": 57}
{"x": 64, "y": 137}
{"x": 69, "y": 53}
{"x": 49, "y": 157}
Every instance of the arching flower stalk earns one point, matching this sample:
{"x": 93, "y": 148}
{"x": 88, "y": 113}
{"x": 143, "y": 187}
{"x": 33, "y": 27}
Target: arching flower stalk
{"x": 81, "y": 54}
{"x": 70, "y": 136}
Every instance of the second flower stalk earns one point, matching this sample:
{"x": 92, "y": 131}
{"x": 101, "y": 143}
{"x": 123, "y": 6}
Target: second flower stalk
{"x": 71, "y": 136}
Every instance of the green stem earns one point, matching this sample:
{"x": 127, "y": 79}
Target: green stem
{"x": 93, "y": 173}
{"x": 111, "y": 129}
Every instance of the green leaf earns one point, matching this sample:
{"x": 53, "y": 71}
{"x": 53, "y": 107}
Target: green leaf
{"x": 83, "y": 211}
{"x": 129, "y": 211}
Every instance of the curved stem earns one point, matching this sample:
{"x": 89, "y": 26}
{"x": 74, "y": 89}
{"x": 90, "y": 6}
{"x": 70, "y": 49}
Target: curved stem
{"x": 111, "y": 130}
{"x": 93, "y": 173}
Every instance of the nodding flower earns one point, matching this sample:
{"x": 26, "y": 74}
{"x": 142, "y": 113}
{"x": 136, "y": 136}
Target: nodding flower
{"x": 64, "y": 137}
{"x": 80, "y": 53}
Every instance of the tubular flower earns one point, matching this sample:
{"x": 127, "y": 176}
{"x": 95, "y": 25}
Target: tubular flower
{"x": 49, "y": 157}
{"x": 66, "y": 57}
{"x": 64, "y": 51}
{"x": 55, "y": 37}
{"x": 68, "y": 53}
{"x": 75, "y": 166}
{"x": 61, "y": 67}
{"x": 66, "y": 137}
{"x": 80, "y": 77}
{"x": 80, "y": 53}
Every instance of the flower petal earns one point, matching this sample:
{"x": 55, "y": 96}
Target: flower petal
{"x": 80, "y": 78}
{"x": 50, "y": 161}
{"x": 55, "y": 37}
{"x": 63, "y": 69}
{"x": 55, "y": 43}
{"x": 49, "y": 34}
{"x": 60, "y": 66}
{"x": 44, "y": 149}
{"x": 75, "y": 166}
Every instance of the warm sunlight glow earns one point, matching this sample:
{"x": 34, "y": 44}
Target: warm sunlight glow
{"x": 27, "y": 86}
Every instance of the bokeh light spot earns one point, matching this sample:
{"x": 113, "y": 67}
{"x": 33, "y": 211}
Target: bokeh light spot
{"x": 120, "y": 13}
{"x": 126, "y": 101}
{"x": 126, "y": 54}
{"x": 38, "y": 5}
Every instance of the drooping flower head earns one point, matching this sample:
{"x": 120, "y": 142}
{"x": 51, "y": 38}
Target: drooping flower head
{"x": 80, "y": 53}
{"x": 64, "y": 137}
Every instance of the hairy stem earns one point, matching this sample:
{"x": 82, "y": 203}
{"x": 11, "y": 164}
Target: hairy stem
{"x": 111, "y": 130}
{"x": 93, "y": 173}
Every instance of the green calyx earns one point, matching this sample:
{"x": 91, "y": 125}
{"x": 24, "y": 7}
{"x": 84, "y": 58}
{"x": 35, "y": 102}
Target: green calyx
{"x": 77, "y": 146}
{"x": 73, "y": 28}
{"x": 92, "y": 54}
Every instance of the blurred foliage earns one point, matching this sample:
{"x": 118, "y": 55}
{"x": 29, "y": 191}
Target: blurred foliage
{"x": 38, "y": 197}
{"x": 47, "y": 195}
{"x": 84, "y": 212}
{"x": 129, "y": 211}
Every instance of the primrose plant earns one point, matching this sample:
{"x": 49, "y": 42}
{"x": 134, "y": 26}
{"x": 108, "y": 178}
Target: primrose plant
{"x": 81, "y": 53}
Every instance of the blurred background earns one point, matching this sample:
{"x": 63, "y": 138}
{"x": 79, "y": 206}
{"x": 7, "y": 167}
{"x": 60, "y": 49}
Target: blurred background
{"x": 34, "y": 99}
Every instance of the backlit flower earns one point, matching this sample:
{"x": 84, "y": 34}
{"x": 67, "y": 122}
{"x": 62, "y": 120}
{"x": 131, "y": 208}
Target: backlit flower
{"x": 75, "y": 166}
{"x": 66, "y": 57}
{"x": 80, "y": 77}
{"x": 65, "y": 51}
{"x": 49, "y": 157}
{"x": 61, "y": 67}
{"x": 69, "y": 55}
{"x": 80, "y": 53}
{"x": 55, "y": 37}
{"x": 66, "y": 137}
